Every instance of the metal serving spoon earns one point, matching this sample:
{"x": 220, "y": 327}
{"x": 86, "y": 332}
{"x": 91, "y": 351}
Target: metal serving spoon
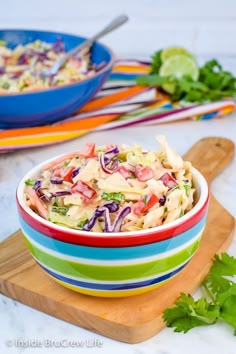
{"x": 117, "y": 22}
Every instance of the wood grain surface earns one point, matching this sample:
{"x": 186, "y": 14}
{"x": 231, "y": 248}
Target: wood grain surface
{"x": 133, "y": 319}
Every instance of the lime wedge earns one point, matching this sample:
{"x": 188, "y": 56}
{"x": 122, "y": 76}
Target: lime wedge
{"x": 170, "y": 51}
{"x": 177, "y": 66}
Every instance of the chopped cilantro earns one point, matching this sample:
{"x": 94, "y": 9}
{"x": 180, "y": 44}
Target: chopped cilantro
{"x": 56, "y": 203}
{"x": 187, "y": 188}
{"x": 60, "y": 210}
{"x": 30, "y": 182}
{"x": 116, "y": 196}
{"x": 82, "y": 223}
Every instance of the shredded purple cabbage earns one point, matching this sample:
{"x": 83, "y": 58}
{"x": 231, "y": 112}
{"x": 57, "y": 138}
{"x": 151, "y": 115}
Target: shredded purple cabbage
{"x": 2, "y": 70}
{"x": 98, "y": 213}
{"x": 119, "y": 219}
{"x": 22, "y": 59}
{"x": 103, "y": 163}
{"x": 58, "y": 46}
{"x": 112, "y": 153}
{"x": 108, "y": 158}
{"x": 112, "y": 206}
{"x": 75, "y": 172}
{"x": 61, "y": 193}
{"x": 45, "y": 195}
{"x": 56, "y": 180}
{"x": 37, "y": 185}
{"x": 103, "y": 211}
{"x": 162, "y": 200}
{"x": 38, "y": 54}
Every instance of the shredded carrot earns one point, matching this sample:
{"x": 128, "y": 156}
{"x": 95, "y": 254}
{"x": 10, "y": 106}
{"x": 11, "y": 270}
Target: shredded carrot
{"x": 37, "y": 203}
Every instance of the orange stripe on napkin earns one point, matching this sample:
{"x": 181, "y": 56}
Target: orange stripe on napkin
{"x": 79, "y": 125}
{"x": 104, "y": 101}
{"x": 131, "y": 69}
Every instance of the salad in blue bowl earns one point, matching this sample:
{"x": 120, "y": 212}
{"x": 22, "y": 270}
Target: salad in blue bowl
{"x": 27, "y": 98}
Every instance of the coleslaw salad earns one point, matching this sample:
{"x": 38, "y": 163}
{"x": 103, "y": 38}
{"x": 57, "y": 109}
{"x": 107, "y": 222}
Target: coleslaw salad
{"x": 20, "y": 67}
{"x": 113, "y": 188}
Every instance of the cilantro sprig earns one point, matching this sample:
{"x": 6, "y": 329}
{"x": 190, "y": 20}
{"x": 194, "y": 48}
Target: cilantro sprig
{"x": 220, "y": 303}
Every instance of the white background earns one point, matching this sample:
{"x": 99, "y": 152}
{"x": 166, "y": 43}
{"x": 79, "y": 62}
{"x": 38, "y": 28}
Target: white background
{"x": 207, "y": 27}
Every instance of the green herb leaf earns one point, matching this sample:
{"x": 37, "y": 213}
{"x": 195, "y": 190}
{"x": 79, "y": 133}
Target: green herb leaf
{"x": 56, "y": 203}
{"x": 187, "y": 188}
{"x": 116, "y": 196}
{"x": 227, "y": 300}
{"x": 189, "y": 313}
{"x": 82, "y": 223}
{"x": 145, "y": 199}
{"x": 60, "y": 210}
{"x": 222, "y": 266}
{"x": 156, "y": 62}
{"x": 30, "y": 182}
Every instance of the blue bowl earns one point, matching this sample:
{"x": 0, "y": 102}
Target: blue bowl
{"x": 50, "y": 105}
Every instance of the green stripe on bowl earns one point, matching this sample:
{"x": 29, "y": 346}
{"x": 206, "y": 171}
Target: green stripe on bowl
{"x": 114, "y": 273}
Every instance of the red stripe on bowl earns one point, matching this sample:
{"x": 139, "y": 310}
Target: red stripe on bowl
{"x": 124, "y": 239}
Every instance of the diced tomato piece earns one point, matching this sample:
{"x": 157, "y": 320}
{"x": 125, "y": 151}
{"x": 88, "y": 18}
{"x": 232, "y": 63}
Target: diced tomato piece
{"x": 143, "y": 173}
{"x": 143, "y": 206}
{"x": 124, "y": 171}
{"x": 168, "y": 180}
{"x": 138, "y": 207}
{"x": 151, "y": 201}
{"x": 88, "y": 151}
{"x": 66, "y": 173}
{"x": 84, "y": 189}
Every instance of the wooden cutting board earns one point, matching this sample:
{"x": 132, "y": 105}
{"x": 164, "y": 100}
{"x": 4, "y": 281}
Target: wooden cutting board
{"x": 133, "y": 319}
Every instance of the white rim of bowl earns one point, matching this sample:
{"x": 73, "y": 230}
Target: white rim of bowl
{"x": 201, "y": 185}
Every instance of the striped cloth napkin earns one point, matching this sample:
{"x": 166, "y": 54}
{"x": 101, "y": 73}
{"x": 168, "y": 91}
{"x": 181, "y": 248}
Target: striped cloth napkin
{"x": 120, "y": 103}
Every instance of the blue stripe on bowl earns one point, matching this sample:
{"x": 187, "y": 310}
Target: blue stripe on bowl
{"x": 114, "y": 286}
{"x": 121, "y": 253}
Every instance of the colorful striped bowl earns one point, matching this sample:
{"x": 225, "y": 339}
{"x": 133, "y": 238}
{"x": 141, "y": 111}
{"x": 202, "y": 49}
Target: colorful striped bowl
{"x": 118, "y": 264}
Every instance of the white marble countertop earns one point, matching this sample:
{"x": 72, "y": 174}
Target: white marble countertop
{"x": 19, "y": 322}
